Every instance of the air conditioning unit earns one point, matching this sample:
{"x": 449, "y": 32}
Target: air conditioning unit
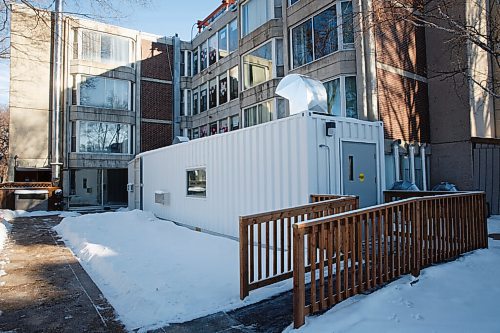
{"x": 162, "y": 198}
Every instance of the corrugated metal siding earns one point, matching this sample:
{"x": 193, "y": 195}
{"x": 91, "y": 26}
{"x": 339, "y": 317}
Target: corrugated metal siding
{"x": 256, "y": 169}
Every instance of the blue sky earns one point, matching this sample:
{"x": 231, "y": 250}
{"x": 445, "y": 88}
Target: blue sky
{"x": 161, "y": 17}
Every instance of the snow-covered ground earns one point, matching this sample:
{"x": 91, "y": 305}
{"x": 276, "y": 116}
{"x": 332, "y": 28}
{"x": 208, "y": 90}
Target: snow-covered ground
{"x": 154, "y": 272}
{"x": 460, "y": 296}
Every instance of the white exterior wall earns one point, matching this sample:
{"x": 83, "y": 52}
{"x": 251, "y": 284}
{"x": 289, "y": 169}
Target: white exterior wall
{"x": 261, "y": 168}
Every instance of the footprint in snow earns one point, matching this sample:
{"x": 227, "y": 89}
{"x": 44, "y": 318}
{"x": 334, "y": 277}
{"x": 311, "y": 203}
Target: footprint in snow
{"x": 417, "y": 316}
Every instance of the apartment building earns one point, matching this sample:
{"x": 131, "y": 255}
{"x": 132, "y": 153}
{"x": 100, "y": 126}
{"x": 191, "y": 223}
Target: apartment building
{"x": 117, "y": 100}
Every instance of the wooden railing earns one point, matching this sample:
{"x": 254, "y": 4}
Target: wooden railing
{"x": 324, "y": 197}
{"x": 266, "y": 240}
{"x": 394, "y": 195}
{"x": 352, "y": 252}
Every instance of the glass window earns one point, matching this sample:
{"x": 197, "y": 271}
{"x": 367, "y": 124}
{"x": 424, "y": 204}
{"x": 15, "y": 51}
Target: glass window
{"x": 203, "y": 98}
{"x": 195, "y": 62}
{"x": 212, "y": 94}
{"x": 189, "y": 56}
{"x": 258, "y": 66}
{"x": 233, "y": 36}
{"x": 235, "y": 122}
{"x": 188, "y": 108}
{"x": 195, "y": 102}
{"x": 197, "y": 183}
{"x": 325, "y": 33}
{"x": 223, "y": 89}
{"x": 196, "y": 133}
{"x": 183, "y": 63}
{"x": 203, "y": 131}
{"x": 108, "y": 138}
{"x": 280, "y": 65}
{"x": 213, "y": 128}
{"x": 254, "y": 13}
{"x": 302, "y": 47}
{"x": 281, "y": 104}
{"x": 333, "y": 97}
{"x": 183, "y": 96}
{"x": 223, "y": 128}
{"x": 203, "y": 56}
{"x": 103, "y": 92}
{"x": 347, "y": 23}
{"x": 105, "y": 48}
{"x": 293, "y": 1}
{"x": 212, "y": 50}
{"x": 223, "y": 52}
{"x": 258, "y": 114}
{"x": 351, "y": 105}
{"x": 233, "y": 83}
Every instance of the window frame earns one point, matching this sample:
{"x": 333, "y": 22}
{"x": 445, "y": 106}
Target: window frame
{"x": 130, "y": 134}
{"x": 343, "y": 96}
{"x": 274, "y": 60}
{"x": 130, "y": 105}
{"x": 202, "y": 196}
{"x": 131, "y": 47}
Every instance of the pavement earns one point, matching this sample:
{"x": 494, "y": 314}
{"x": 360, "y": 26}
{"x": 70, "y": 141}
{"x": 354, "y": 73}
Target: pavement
{"x": 45, "y": 289}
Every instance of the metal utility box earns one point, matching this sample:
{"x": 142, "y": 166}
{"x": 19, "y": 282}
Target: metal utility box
{"x": 214, "y": 180}
{"x": 31, "y": 200}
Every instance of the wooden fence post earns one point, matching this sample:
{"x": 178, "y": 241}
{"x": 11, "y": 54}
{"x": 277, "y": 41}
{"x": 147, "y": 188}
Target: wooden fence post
{"x": 299, "y": 292}
{"x": 243, "y": 259}
{"x": 484, "y": 220}
{"x": 417, "y": 238}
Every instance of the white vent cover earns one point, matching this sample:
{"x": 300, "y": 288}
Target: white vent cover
{"x": 303, "y": 93}
{"x": 162, "y": 198}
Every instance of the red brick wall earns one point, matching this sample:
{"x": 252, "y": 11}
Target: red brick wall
{"x": 156, "y": 62}
{"x": 156, "y": 97}
{"x": 156, "y": 100}
{"x": 403, "y": 107}
{"x": 155, "y": 136}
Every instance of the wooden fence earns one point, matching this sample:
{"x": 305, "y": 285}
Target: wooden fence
{"x": 7, "y": 197}
{"x": 349, "y": 253}
{"x": 266, "y": 239}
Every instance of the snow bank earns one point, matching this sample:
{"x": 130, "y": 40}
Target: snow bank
{"x": 4, "y": 230}
{"x": 154, "y": 272}
{"x": 460, "y": 296}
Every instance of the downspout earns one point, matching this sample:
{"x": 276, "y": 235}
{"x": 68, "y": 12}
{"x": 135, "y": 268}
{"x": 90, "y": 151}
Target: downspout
{"x": 56, "y": 95}
{"x": 395, "y": 152}
{"x": 411, "y": 149}
{"x": 424, "y": 167}
{"x": 176, "y": 43}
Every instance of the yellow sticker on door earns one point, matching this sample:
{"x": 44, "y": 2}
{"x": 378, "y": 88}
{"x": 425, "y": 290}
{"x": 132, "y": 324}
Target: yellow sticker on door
{"x": 361, "y": 177}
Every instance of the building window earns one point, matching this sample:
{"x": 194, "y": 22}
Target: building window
{"x": 195, "y": 102}
{"x": 212, "y": 95}
{"x": 203, "y": 131}
{"x": 196, "y": 133}
{"x": 183, "y": 102}
{"x": 320, "y": 35}
{"x": 233, "y": 83}
{"x": 213, "y": 128}
{"x": 195, "y": 62}
{"x": 223, "y": 49}
{"x": 254, "y": 13}
{"x": 188, "y": 63}
{"x": 197, "y": 183}
{"x": 183, "y": 63}
{"x": 203, "y": 98}
{"x": 105, "y": 48}
{"x": 258, "y": 114}
{"x": 223, "y": 89}
{"x": 233, "y": 36}
{"x": 235, "y": 122}
{"x": 293, "y": 1}
{"x": 103, "y": 92}
{"x": 342, "y": 97}
{"x": 212, "y": 50}
{"x": 258, "y": 66}
{"x": 223, "y": 128}
{"x": 188, "y": 106}
{"x": 280, "y": 64}
{"x": 203, "y": 56}
{"x": 100, "y": 137}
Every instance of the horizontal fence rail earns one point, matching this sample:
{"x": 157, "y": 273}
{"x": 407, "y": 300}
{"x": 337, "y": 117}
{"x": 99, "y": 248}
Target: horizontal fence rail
{"x": 349, "y": 253}
{"x": 266, "y": 239}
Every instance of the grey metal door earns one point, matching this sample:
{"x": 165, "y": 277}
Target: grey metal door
{"x": 359, "y": 171}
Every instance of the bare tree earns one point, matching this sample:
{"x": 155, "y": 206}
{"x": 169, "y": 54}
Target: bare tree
{"x": 4, "y": 140}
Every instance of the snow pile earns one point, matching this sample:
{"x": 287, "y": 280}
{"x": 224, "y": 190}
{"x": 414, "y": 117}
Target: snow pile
{"x": 460, "y": 296}
{"x": 154, "y": 272}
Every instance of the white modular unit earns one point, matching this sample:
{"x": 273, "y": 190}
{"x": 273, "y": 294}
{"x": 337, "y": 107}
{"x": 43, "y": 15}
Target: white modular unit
{"x": 271, "y": 166}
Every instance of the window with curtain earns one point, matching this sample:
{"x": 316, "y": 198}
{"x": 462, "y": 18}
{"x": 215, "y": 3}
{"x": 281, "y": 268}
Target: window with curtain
{"x": 101, "y": 137}
{"x": 254, "y": 13}
{"x": 223, "y": 89}
{"x": 258, "y": 66}
{"x": 105, "y": 48}
{"x": 212, "y": 93}
{"x": 233, "y": 83}
{"x": 212, "y": 50}
{"x": 103, "y": 92}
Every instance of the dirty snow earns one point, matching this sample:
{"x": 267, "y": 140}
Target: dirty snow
{"x": 460, "y": 296}
{"x": 4, "y": 230}
{"x": 154, "y": 272}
